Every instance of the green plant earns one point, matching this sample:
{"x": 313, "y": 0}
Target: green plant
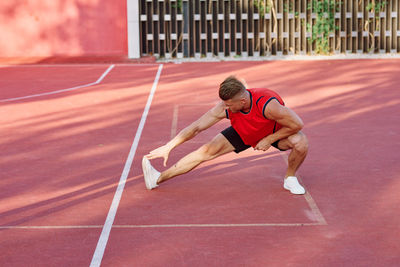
{"x": 262, "y": 6}
{"x": 178, "y": 5}
{"x": 376, "y": 7}
{"x": 288, "y": 8}
{"x": 324, "y": 24}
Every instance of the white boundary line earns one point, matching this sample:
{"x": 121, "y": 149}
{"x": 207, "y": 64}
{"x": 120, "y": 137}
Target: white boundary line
{"x": 61, "y": 65}
{"x": 62, "y": 90}
{"x": 51, "y": 227}
{"x": 132, "y": 226}
{"x": 174, "y": 125}
{"x": 216, "y": 225}
{"x": 105, "y": 233}
{"x": 310, "y": 201}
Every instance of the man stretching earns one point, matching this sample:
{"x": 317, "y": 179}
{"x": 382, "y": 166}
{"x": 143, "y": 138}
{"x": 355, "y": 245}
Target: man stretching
{"x": 259, "y": 119}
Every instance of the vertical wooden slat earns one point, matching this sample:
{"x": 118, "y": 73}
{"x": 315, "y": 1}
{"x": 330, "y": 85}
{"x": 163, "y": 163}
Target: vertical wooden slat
{"x": 273, "y": 28}
{"x": 202, "y": 25}
{"x": 250, "y": 28}
{"x": 149, "y": 28}
{"x": 161, "y": 28}
{"x": 260, "y": 32}
{"x": 176, "y": 36}
{"x": 310, "y": 21}
{"x": 303, "y": 27}
{"x": 349, "y": 26}
{"x": 192, "y": 29}
{"x": 209, "y": 28}
{"x": 279, "y": 17}
{"x": 243, "y": 18}
{"x": 375, "y": 27}
{"x": 143, "y": 23}
{"x": 196, "y": 28}
{"x": 291, "y": 28}
{"x": 256, "y": 29}
{"x": 353, "y": 13}
{"x": 285, "y": 27}
{"x": 167, "y": 24}
{"x": 232, "y": 21}
{"x": 358, "y": 25}
{"x": 382, "y": 28}
{"x": 363, "y": 34}
{"x": 391, "y": 28}
{"x": 156, "y": 32}
{"x": 396, "y": 28}
{"x": 214, "y": 22}
{"x": 256, "y": 42}
{"x": 185, "y": 29}
{"x": 388, "y": 19}
{"x": 238, "y": 31}
{"x": 221, "y": 31}
{"x": 296, "y": 27}
{"x": 383, "y": 15}
{"x": 226, "y": 23}
{"x": 337, "y": 39}
{"x": 342, "y": 28}
{"x": 189, "y": 23}
{"x": 368, "y": 27}
{"x": 267, "y": 28}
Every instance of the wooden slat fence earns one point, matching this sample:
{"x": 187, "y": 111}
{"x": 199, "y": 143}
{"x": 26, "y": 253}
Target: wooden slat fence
{"x": 254, "y": 28}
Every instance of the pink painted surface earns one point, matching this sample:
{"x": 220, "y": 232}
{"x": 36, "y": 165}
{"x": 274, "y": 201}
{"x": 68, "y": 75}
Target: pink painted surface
{"x": 47, "y": 28}
{"x": 62, "y": 156}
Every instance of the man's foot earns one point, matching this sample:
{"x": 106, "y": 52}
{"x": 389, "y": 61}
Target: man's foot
{"x": 293, "y": 186}
{"x": 151, "y": 175}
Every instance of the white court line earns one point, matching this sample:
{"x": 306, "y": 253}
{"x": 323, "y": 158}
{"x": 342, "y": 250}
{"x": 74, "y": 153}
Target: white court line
{"x": 105, "y": 233}
{"x": 310, "y": 201}
{"x": 216, "y": 225}
{"x": 131, "y": 226}
{"x": 51, "y": 227}
{"x": 174, "y": 126}
{"x": 62, "y": 90}
{"x": 78, "y": 65}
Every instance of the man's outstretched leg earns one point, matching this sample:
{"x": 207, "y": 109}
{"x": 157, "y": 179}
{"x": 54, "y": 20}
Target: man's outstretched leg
{"x": 298, "y": 144}
{"x": 216, "y": 147}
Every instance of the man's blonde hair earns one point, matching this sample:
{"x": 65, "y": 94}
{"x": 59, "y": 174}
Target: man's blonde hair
{"x": 230, "y": 87}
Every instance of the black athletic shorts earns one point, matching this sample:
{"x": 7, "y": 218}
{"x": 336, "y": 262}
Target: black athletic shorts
{"x": 237, "y": 142}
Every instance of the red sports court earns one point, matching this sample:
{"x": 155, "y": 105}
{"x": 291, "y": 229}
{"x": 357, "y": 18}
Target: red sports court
{"x": 72, "y": 192}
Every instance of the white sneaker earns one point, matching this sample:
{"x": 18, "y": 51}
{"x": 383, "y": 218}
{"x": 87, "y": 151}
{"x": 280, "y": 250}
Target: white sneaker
{"x": 150, "y": 174}
{"x": 293, "y": 186}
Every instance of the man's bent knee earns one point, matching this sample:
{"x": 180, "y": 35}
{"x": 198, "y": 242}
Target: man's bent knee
{"x": 216, "y": 147}
{"x": 299, "y": 142}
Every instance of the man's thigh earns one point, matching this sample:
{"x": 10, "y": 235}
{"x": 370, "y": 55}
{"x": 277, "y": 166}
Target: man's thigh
{"x": 218, "y": 146}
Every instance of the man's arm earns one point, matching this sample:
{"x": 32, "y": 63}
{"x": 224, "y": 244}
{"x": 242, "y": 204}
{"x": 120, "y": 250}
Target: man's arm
{"x": 290, "y": 121}
{"x": 210, "y": 118}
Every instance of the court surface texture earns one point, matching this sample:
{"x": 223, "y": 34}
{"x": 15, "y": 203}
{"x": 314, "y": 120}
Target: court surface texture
{"x": 72, "y": 193}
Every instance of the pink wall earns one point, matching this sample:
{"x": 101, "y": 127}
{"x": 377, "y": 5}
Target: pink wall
{"x": 48, "y": 28}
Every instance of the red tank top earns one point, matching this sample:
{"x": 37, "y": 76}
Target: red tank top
{"x": 253, "y": 125}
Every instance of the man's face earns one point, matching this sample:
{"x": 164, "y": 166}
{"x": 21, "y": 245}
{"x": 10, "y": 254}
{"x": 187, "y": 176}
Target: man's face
{"x": 234, "y": 104}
